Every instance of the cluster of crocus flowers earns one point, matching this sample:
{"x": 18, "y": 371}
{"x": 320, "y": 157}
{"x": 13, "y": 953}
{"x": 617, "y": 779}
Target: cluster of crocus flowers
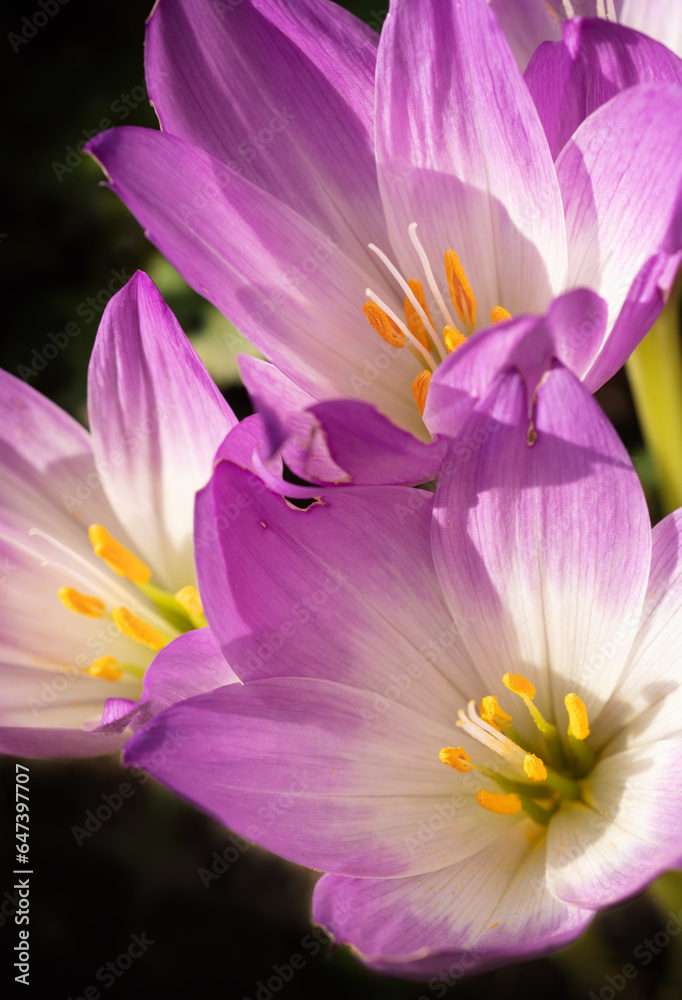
{"x": 470, "y": 696}
{"x": 96, "y": 532}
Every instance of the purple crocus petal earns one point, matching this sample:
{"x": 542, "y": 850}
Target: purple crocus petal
{"x": 632, "y": 827}
{"x": 283, "y": 405}
{"x": 595, "y": 60}
{"x": 50, "y": 478}
{"x": 662, "y": 19}
{"x": 353, "y": 792}
{"x": 291, "y": 592}
{"x": 621, "y": 180}
{"x": 291, "y": 290}
{"x": 25, "y": 741}
{"x": 449, "y": 134}
{"x": 156, "y": 418}
{"x": 283, "y": 96}
{"x": 494, "y": 908}
{"x": 544, "y": 547}
{"x": 573, "y": 331}
{"x": 190, "y": 665}
{"x": 647, "y": 704}
{"x": 372, "y": 449}
{"x": 527, "y": 24}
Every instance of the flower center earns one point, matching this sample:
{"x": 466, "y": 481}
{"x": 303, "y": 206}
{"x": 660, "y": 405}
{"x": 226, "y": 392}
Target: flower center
{"x": 418, "y": 331}
{"x": 183, "y": 610}
{"x": 553, "y": 776}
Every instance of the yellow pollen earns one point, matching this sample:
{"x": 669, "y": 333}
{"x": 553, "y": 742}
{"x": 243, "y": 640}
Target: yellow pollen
{"x": 82, "y": 604}
{"x": 498, "y": 314}
{"x": 382, "y": 324}
{"x": 503, "y": 805}
{"x": 577, "y": 717}
{"x": 420, "y": 389}
{"x": 132, "y": 626}
{"x": 105, "y": 667}
{"x": 188, "y": 598}
{"x": 519, "y": 685}
{"x": 415, "y": 324}
{"x": 116, "y": 556}
{"x": 460, "y": 290}
{"x": 491, "y": 712}
{"x": 534, "y": 767}
{"x": 453, "y": 338}
{"x": 456, "y": 757}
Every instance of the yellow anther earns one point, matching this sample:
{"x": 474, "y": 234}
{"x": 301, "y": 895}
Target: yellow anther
{"x": 453, "y": 338}
{"x": 460, "y": 290}
{"x": 415, "y": 324}
{"x": 188, "y": 598}
{"x": 420, "y": 389}
{"x": 577, "y": 717}
{"x": 503, "y": 805}
{"x": 105, "y": 668}
{"x": 491, "y": 712}
{"x": 132, "y": 626}
{"x": 519, "y": 685}
{"x": 82, "y": 604}
{"x": 456, "y": 757}
{"x": 116, "y": 556}
{"x": 383, "y": 325}
{"x": 534, "y": 767}
{"x": 498, "y": 314}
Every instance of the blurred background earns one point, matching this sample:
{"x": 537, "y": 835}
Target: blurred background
{"x": 145, "y": 870}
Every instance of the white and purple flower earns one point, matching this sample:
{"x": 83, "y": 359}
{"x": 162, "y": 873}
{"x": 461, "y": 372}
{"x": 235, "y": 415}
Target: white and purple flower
{"x": 96, "y": 540}
{"x": 523, "y": 625}
{"x": 308, "y": 166}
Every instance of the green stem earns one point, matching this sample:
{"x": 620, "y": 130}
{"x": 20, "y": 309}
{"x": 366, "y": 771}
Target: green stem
{"x": 655, "y": 374}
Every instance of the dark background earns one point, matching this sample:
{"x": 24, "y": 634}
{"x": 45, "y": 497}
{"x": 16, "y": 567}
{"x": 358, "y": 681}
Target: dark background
{"x": 61, "y": 239}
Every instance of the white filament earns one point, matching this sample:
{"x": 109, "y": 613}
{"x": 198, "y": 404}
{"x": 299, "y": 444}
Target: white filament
{"x": 433, "y": 285}
{"x": 412, "y": 297}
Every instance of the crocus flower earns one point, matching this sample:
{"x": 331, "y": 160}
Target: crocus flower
{"x": 96, "y": 535}
{"x": 528, "y": 23}
{"x": 522, "y": 626}
{"x": 308, "y": 168}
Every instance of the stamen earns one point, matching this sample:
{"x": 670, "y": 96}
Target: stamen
{"x": 568, "y": 8}
{"x": 522, "y": 686}
{"x": 534, "y": 767}
{"x": 420, "y": 390}
{"x": 81, "y": 604}
{"x": 453, "y": 338}
{"x": 503, "y": 805}
{"x": 188, "y": 598}
{"x": 460, "y": 290}
{"x": 116, "y": 556}
{"x": 105, "y": 668}
{"x": 499, "y": 315}
{"x": 492, "y": 713}
{"x": 412, "y": 316}
{"x": 428, "y": 271}
{"x": 577, "y": 717}
{"x": 401, "y": 326}
{"x": 489, "y": 737}
{"x": 417, "y": 301}
{"x": 456, "y": 757}
{"x": 133, "y": 627}
{"x": 382, "y": 324}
